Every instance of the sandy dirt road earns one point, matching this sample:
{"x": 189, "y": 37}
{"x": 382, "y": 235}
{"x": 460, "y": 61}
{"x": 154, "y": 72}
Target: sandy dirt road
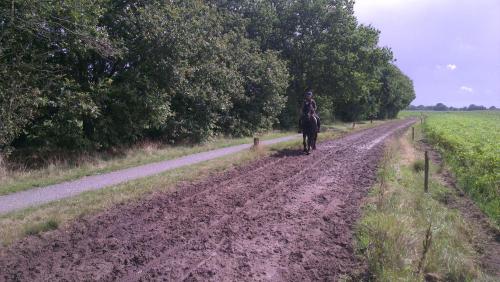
{"x": 287, "y": 217}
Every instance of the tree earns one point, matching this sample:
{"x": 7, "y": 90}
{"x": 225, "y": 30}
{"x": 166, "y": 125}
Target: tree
{"x": 93, "y": 75}
{"x": 440, "y": 107}
{"x": 473, "y": 107}
{"x": 396, "y": 92}
{"x": 43, "y": 46}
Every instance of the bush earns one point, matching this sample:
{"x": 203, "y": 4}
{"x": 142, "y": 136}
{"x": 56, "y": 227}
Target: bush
{"x": 418, "y": 166}
{"x": 35, "y": 229}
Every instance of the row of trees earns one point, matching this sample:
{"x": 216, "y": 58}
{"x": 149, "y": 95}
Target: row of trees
{"x": 443, "y": 107}
{"x": 95, "y": 74}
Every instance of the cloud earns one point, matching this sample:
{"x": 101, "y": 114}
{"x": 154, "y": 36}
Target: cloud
{"x": 466, "y": 89}
{"x": 451, "y": 67}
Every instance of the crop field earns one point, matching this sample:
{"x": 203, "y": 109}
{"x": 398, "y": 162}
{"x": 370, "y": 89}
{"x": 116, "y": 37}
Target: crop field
{"x": 470, "y": 143}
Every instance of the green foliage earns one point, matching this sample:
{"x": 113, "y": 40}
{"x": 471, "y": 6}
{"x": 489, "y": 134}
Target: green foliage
{"x": 469, "y": 142}
{"x": 96, "y": 74}
{"x": 418, "y": 166}
{"x": 396, "y": 93}
{"x": 45, "y": 226}
{"x": 329, "y": 53}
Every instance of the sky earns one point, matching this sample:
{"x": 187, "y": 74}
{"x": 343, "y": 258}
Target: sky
{"x": 449, "y": 48}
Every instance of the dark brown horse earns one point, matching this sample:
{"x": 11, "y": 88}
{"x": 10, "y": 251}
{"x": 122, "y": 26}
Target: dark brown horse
{"x": 309, "y": 131}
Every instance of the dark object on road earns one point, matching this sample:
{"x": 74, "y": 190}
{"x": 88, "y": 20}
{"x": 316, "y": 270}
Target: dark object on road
{"x": 309, "y": 131}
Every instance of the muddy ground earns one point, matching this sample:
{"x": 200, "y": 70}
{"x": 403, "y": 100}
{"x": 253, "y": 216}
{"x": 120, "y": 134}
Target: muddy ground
{"x": 288, "y": 217}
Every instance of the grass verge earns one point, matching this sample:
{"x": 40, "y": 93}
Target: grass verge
{"x": 58, "y": 171}
{"x": 408, "y": 235}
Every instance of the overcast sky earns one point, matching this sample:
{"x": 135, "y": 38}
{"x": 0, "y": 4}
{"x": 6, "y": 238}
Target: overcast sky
{"x": 449, "y": 48}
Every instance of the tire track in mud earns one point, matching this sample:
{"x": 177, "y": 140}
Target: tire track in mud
{"x": 285, "y": 217}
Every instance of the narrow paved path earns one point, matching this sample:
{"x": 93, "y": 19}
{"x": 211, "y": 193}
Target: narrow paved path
{"x": 42, "y": 195}
{"x": 287, "y": 217}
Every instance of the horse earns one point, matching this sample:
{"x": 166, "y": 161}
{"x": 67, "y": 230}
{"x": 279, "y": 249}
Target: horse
{"x": 309, "y": 131}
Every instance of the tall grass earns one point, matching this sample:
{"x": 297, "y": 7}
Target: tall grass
{"x": 408, "y": 235}
{"x": 3, "y": 169}
{"x": 44, "y": 226}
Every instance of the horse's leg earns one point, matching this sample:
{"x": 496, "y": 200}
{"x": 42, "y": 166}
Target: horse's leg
{"x": 304, "y": 140}
{"x": 314, "y": 140}
{"x": 308, "y": 144}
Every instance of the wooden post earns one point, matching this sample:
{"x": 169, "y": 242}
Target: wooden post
{"x": 353, "y": 124}
{"x": 413, "y": 133}
{"x": 256, "y": 141}
{"x": 426, "y": 180}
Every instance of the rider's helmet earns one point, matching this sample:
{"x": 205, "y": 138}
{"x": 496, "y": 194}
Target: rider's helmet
{"x": 309, "y": 94}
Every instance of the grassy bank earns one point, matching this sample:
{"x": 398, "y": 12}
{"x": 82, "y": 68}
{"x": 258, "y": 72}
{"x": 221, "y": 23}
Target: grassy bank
{"x": 408, "y": 235}
{"x": 16, "y": 225}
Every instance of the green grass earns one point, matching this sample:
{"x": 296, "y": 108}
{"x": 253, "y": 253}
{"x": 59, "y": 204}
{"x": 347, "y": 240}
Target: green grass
{"x": 418, "y": 166}
{"x": 470, "y": 144}
{"x": 60, "y": 171}
{"x": 16, "y": 225}
{"x": 406, "y": 234}
{"x": 45, "y": 226}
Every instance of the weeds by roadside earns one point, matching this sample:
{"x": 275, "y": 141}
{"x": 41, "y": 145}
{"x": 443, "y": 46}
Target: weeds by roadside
{"x": 408, "y": 235}
{"x": 3, "y": 169}
{"x": 418, "y": 166}
{"x": 45, "y": 226}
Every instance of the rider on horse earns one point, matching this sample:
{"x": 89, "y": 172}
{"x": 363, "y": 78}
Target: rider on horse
{"x": 309, "y": 105}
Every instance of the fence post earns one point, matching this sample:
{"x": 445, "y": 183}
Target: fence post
{"x": 413, "y": 133}
{"x": 256, "y": 141}
{"x": 426, "y": 180}
{"x": 353, "y": 124}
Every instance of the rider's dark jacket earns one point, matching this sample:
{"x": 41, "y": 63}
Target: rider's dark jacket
{"x": 308, "y": 104}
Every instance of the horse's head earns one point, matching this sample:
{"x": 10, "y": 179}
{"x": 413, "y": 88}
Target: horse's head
{"x": 311, "y": 113}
